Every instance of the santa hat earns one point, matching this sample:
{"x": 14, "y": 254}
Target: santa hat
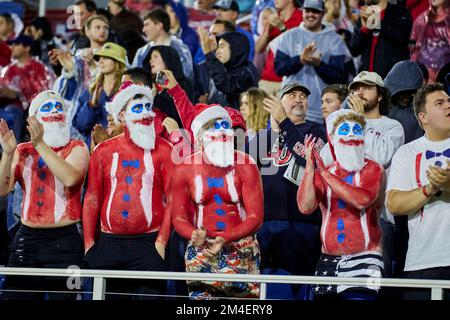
{"x": 43, "y": 97}
{"x": 127, "y": 91}
{"x": 205, "y": 113}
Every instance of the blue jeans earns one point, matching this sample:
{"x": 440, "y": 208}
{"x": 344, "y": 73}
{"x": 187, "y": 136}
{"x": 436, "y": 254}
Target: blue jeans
{"x": 13, "y": 116}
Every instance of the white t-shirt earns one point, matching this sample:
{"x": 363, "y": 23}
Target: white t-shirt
{"x": 429, "y": 232}
{"x": 382, "y": 137}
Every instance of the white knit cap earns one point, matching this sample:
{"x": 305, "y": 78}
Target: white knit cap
{"x": 43, "y": 97}
{"x": 124, "y": 95}
{"x": 205, "y": 113}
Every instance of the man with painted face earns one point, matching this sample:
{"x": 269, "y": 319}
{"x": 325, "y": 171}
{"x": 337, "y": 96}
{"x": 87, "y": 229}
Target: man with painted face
{"x": 224, "y": 187}
{"x": 50, "y": 169}
{"x": 349, "y": 194}
{"x": 126, "y": 195}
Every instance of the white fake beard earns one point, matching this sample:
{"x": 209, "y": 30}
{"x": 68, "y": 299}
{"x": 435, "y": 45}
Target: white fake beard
{"x": 56, "y": 133}
{"x": 219, "y": 153}
{"x": 350, "y": 158}
{"x": 143, "y": 136}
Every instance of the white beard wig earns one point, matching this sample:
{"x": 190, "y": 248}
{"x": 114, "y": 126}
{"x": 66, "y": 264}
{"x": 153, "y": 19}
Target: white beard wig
{"x": 142, "y": 135}
{"x": 349, "y": 156}
{"x": 219, "y": 148}
{"x": 56, "y": 133}
{"x": 141, "y": 125}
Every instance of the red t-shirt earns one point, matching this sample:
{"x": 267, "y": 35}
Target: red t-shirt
{"x": 269, "y": 67}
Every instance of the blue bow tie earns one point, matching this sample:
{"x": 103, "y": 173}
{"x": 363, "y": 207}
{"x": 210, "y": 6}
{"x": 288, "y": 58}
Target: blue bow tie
{"x": 130, "y": 163}
{"x": 430, "y": 154}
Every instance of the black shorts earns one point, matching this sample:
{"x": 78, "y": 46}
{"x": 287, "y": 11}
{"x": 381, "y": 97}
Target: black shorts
{"x": 46, "y": 248}
{"x": 128, "y": 252}
{"x": 125, "y": 252}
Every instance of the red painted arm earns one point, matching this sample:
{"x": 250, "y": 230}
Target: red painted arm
{"x": 184, "y": 106}
{"x": 92, "y": 201}
{"x": 361, "y": 197}
{"x": 167, "y": 170}
{"x": 253, "y": 201}
{"x": 310, "y": 191}
{"x": 180, "y": 203}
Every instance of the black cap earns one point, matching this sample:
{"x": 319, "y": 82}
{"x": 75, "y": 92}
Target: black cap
{"x": 22, "y": 39}
{"x": 227, "y": 5}
{"x": 293, "y": 86}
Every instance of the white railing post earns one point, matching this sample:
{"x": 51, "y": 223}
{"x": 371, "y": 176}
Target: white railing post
{"x": 99, "y": 288}
{"x": 436, "y": 293}
{"x": 263, "y": 291}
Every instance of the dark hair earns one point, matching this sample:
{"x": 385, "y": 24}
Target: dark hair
{"x": 443, "y": 72}
{"x": 339, "y": 89}
{"x": 8, "y": 18}
{"x": 385, "y": 101}
{"x": 229, "y": 26}
{"x": 420, "y": 99}
{"x": 159, "y": 15}
{"x": 42, "y": 23}
{"x": 139, "y": 75}
{"x": 89, "y": 4}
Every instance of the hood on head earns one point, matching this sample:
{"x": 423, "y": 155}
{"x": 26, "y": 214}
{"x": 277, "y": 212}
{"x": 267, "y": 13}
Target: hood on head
{"x": 181, "y": 13}
{"x": 239, "y": 47}
{"x": 171, "y": 59}
{"x": 404, "y": 76}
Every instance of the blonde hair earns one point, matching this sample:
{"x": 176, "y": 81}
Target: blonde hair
{"x": 258, "y": 117}
{"x": 119, "y": 69}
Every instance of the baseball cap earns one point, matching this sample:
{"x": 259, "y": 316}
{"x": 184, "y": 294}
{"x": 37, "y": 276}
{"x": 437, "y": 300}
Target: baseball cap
{"x": 293, "y": 86}
{"x": 227, "y": 5}
{"x": 22, "y": 39}
{"x": 314, "y": 4}
{"x": 366, "y": 77}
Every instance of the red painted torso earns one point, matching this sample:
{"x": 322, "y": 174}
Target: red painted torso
{"x": 46, "y": 202}
{"x": 132, "y": 199}
{"x": 346, "y": 229}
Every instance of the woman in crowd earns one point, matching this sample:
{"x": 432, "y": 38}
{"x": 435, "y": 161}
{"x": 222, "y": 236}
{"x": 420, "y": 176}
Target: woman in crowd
{"x": 256, "y": 118}
{"x": 91, "y": 104}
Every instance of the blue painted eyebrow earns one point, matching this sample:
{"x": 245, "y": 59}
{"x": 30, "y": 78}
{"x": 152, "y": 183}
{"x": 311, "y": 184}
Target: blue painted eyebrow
{"x": 357, "y": 129}
{"x": 344, "y": 129}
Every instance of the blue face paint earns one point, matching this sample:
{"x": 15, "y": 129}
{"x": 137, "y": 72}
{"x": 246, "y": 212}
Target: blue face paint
{"x": 137, "y": 108}
{"x": 48, "y": 107}
{"x": 148, "y": 106}
{"x": 222, "y": 124}
{"x": 344, "y": 129}
{"x": 357, "y": 130}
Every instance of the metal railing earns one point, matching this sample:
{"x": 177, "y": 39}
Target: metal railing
{"x": 100, "y": 277}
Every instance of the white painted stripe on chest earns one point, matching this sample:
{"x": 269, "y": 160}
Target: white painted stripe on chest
{"x": 198, "y": 182}
{"x": 27, "y": 175}
{"x": 147, "y": 187}
{"x": 363, "y": 215}
{"x": 113, "y": 177}
{"x": 231, "y": 187}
